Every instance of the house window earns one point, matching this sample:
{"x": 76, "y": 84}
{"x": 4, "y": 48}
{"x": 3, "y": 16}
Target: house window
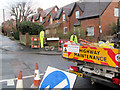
{"x": 33, "y": 20}
{"x": 55, "y": 9}
{"x": 47, "y": 32}
{"x": 50, "y": 20}
{"x": 116, "y": 12}
{"x": 90, "y": 31}
{"x": 57, "y": 20}
{"x": 65, "y": 30}
{"x": 40, "y": 19}
{"x": 63, "y": 17}
{"x": 77, "y": 14}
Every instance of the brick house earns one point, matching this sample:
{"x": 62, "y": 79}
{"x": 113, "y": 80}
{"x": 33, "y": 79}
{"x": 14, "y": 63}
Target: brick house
{"x": 65, "y": 18}
{"x": 82, "y": 17}
{"x": 44, "y": 16}
{"x": 91, "y": 23}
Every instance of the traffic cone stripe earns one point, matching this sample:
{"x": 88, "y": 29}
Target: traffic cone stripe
{"x": 36, "y": 82}
{"x": 36, "y": 75}
{"x": 20, "y": 75}
{"x": 36, "y": 68}
{"x": 19, "y": 81}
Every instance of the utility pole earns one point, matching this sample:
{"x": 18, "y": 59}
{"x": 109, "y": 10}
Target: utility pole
{"x": 4, "y": 20}
{"x": 117, "y": 27}
{"x": 99, "y": 37}
{"x": 3, "y": 15}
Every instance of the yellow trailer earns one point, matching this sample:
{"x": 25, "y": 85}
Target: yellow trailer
{"x": 103, "y": 62}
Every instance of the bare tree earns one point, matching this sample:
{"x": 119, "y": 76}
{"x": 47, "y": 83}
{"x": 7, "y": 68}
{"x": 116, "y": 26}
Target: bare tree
{"x": 20, "y": 11}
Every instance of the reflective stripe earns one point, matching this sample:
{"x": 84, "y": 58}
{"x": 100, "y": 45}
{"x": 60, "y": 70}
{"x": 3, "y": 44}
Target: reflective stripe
{"x": 36, "y": 75}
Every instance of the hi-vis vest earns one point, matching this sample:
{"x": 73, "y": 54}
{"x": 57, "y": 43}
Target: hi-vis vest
{"x": 41, "y": 34}
{"x": 74, "y": 39}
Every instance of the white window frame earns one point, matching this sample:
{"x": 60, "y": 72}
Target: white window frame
{"x": 77, "y": 14}
{"x": 33, "y": 20}
{"x": 116, "y": 12}
{"x": 57, "y": 20}
{"x": 50, "y": 20}
{"x": 40, "y": 19}
{"x": 47, "y": 32}
{"x": 65, "y": 29}
{"x": 55, "y": 9}
{"x": 90, "y": 31}
{"x": 63, "y": 17}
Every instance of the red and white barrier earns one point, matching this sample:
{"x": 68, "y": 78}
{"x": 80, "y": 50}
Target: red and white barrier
{"x": 35, "y": 39}
{"x": 35, "y": 46}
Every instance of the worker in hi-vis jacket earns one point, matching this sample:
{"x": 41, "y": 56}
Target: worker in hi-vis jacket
{"x": 73, "y": 38}
{"x": 42, "y": 38}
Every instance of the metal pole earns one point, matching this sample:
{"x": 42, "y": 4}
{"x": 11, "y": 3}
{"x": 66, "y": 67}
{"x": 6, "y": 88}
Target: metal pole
{"x": 117, "y": 26}
{"x": 4, "y": 20}
{"x": 99, "y": 21}
{"x": 3, "y": 15}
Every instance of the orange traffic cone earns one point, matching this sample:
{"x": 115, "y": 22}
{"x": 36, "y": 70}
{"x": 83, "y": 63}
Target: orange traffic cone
{"x": 36, "y": 78}
{"x": 19, "y": 81}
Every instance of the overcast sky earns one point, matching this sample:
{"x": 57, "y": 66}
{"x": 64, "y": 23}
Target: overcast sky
{"x": 37, "y": 3}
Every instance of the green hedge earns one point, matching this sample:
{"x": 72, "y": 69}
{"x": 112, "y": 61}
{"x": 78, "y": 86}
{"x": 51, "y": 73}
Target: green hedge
{"x": 30, "y": 27}
{"x": 16, "y": 35}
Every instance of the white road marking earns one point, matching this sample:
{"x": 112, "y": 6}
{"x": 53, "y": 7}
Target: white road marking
{"x": 5, "y": 80}
{"x": 10, "y": 82}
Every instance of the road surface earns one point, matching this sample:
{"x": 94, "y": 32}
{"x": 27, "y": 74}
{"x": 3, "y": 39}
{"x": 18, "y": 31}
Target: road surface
{"x": 16, "y": 57}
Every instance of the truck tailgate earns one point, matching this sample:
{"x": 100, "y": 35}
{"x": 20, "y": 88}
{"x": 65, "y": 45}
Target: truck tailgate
{"x": 97, "y": 55}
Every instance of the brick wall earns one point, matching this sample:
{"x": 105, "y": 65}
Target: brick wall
{"x": 94, "y": 22}
{"x": 70, "y": 20}
{"x": 47, "y": 17}
{"x": 108, "y": 18}
{"x": 73, "y": 19}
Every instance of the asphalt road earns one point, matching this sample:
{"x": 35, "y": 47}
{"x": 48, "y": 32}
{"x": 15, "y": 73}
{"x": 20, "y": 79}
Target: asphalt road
{"x": 15, "y": 57}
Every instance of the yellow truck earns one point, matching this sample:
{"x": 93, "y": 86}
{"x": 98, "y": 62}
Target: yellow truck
{"x": 100, "y": 64}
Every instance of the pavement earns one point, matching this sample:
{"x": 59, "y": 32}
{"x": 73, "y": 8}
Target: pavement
{"x": 26, "y": 49}
{"x": 42, "y": 51}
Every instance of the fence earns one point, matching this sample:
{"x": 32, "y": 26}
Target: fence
{"x": 26, "y": 39}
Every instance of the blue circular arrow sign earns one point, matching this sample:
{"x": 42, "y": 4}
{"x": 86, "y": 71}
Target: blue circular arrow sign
{"x": 56, "y": 79}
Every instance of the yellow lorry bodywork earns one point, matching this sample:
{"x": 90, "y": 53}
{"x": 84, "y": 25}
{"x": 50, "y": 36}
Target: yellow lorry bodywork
{"x": 97, "y": 55}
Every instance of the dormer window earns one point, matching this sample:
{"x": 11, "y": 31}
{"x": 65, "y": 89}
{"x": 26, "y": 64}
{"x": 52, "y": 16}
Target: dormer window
{"x": 77, "y": 14}
{"x": 50, "y": 20}
{"x": 63, "y": 17}
{"x": 40, "y": 19}
{"x": 55, "y": 9}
